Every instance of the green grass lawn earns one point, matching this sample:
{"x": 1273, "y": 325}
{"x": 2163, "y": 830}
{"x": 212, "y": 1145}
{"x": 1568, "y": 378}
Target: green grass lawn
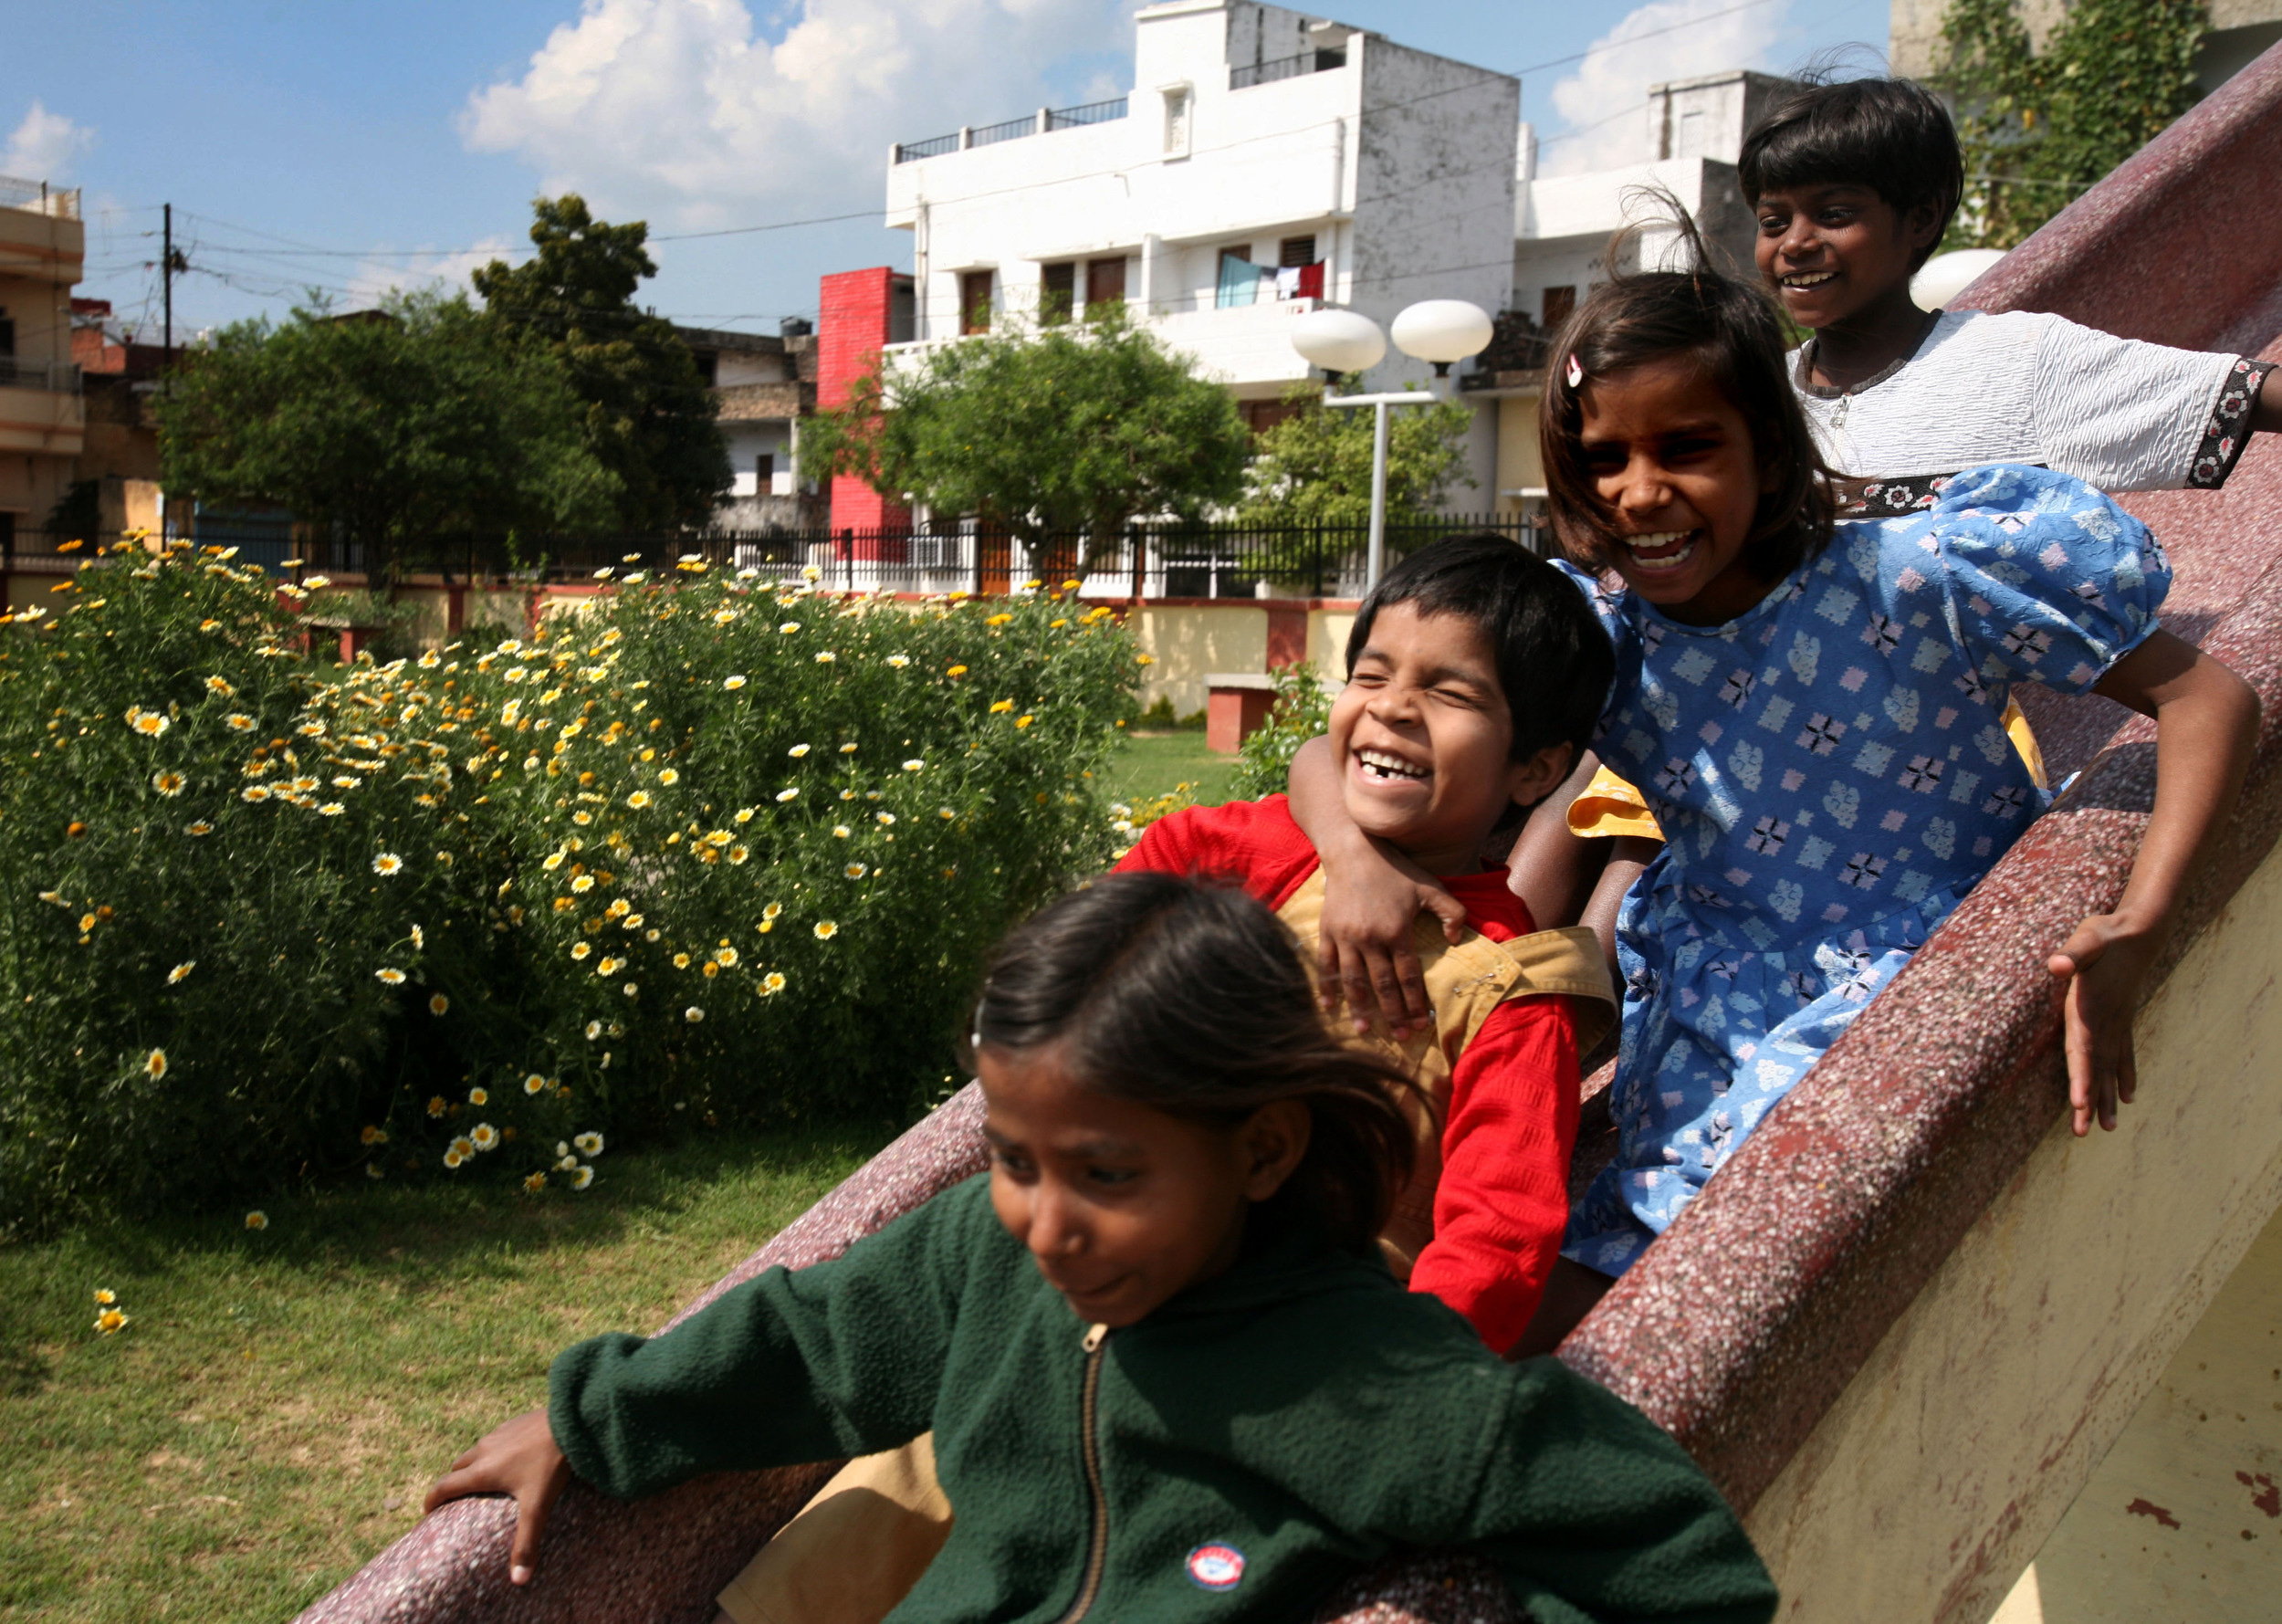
{"x": 278, "y": 1402}
{"x": 1152, "y": 762}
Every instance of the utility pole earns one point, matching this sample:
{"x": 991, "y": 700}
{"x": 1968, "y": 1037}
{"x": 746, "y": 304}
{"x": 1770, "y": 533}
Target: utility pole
{"x": 166, "y": 271}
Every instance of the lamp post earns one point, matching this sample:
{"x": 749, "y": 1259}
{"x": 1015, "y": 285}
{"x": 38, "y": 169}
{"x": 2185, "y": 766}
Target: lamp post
{"x": 1441, "y": 330}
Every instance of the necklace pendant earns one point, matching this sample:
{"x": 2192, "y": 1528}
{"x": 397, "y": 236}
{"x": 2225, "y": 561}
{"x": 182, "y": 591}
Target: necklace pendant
{"x": 1838, "y": 417}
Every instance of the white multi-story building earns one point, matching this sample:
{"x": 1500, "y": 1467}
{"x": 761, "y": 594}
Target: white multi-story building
{"x": 1263, "y": 163}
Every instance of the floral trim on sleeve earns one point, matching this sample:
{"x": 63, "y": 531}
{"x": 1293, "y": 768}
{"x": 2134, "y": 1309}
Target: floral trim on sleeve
{"x": 2228, "y": 431}
{"x": 1882, "y": 498}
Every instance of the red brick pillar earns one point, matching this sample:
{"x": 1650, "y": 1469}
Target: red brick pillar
{"x": 852, "y": 323}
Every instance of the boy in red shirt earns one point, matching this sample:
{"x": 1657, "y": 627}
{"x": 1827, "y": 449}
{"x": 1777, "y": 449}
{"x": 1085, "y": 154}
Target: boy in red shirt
{"x": 1475, "y": 673}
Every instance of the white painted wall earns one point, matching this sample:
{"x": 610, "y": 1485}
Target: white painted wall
{"x": 749, "y": 441}
{"x": 1379, "y": 160}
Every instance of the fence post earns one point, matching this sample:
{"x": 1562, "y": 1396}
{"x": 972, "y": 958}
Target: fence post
{"x": 1140, "y": 539}
{"x": 1316, "y": 557}
{"x": 974, "y": 539}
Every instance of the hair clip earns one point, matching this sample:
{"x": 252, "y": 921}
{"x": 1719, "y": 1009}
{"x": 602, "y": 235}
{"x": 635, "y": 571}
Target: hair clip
{"x": 1576, "y": 370}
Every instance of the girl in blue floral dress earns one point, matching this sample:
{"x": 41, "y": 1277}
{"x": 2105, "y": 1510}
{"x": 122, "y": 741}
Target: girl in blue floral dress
{"x": 1813, "y": 713}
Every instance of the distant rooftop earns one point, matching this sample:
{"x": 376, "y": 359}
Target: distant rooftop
{"x": 39, "y": 198}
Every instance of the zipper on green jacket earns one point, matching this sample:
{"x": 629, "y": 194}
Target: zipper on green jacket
{"x": 1097, "y": 1544}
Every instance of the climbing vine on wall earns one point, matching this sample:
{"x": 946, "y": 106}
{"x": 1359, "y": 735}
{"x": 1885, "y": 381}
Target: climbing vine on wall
{"x": 2038, "y": 127}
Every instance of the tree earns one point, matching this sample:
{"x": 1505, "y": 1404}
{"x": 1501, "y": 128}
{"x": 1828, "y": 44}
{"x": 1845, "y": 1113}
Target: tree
{"x": 1079, "y": 427}
{"x": 649, "y": 417}
{"x": 383, "y": 429}
{"x": 1314, "y": 466}
{"x": 2038, "y": 129}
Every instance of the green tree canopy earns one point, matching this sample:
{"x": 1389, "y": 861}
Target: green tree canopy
{"x": 1314, "y": 467}
{"x": 1078, "y": 427}
{"x": 385, "y": 428}
{"x": 649, "y": 417}
{"x": 2039, "y": 127}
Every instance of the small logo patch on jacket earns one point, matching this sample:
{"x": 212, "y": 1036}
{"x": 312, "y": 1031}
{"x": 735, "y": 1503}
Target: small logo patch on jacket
{"x": 1216, "y": 1567}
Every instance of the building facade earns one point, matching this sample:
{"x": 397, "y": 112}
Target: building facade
{"x": 43, "y": 419}
{"x": 1691, "y": 134}
{"x": 2239, "y": 31}
{"x": 763, "y": 386}
{"x": 1264, "y": 164}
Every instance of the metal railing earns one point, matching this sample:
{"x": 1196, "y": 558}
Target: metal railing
{"x": 1092, "y": 112}
{"x": 1012, "y": 129}
{"x": 58, "y": 377}
{"x": 1283, "y": 67}
{"x": 38, "y": 197}
{"x": 1040, "y": 122}
{"x": 934, "y": 147}
{"x": 1153, "y": 560}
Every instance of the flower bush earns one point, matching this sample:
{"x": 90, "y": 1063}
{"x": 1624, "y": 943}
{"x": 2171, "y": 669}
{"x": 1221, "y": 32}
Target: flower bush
{"x": 704, "y": 846}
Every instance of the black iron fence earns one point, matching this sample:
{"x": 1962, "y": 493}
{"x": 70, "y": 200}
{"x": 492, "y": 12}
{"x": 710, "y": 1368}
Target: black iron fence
{"x": 1154, "y": 560}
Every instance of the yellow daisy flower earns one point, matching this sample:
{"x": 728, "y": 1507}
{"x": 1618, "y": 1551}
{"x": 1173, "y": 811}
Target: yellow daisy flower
{"x": 854, "y": 870}
{"x": 956, "y": 671}
{"x": 772, "y": 910}
{"x": 640, "y": 799}
{"x": 169, "y": 784}
{"x": 733, "y": 683}
{"x": 110, "y": 1322}
{"x": 534, "y": 1082}
{"x": 455, "y": 1156}
{"x": 588, "y": 1144}
{"x": 772, "y": 983}
{"x": 669, "y": 777}
{"x": 583, "y": 1178}
{"x": 1024, "y": 721}
{"x": 149, "y": 724}
{"x": 254, "y": 792}
{"x": 580, "y": 950}
{"x": 372, "y": 1135}
{"x": 484, "y": 1137}
{"x": 479, "y": 1097}
{"x": 154, "y": 1064}
{"x": 535, "y": 1183}
{"x": 200, "y": 828}
{"x": 583, "y": 884}
{"x": 388, "y": 863}
{"x": 391, "y": 976}
{"x": 826, "y": 929}
{"x": 693, "y": 1014}
{"x": 999, "y": 707}
{"x": 181, "y": 970}
{"x": 237, "y": 721}
{"x": 216, "y": 685}
{"x": 436, "y": 1104}
{"x": 257, "y": 1220}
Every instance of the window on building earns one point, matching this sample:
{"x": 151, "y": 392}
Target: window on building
{"x": 708, "y": 365}
{"x": 1296, "y": 250}
{"x": 1176, "y": 123}
{"x": 1106, "y": 281}
{"x": 1259, "y": 417}
{"x": 1559, "y": 306}
{"x": 974, "y": 300}
{"x": 1057, "y": 292}
{"x": 764, "y": 470}
{"x": 1240, "y": 280}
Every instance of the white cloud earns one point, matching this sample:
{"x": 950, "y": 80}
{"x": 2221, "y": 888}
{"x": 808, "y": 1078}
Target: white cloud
{"x": 1603, "y": 104}
{"x": 686, "y": 107}
{"x": 373, "y": 279}
{"x": 43, "y": 146}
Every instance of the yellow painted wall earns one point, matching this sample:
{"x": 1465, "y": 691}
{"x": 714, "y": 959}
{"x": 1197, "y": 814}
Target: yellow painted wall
{"x": 1955, "y": 1453}
{"x": 1189, "y": 642}
{"x": 1519, "y": 466}
{"x": 2183, "y": 1519}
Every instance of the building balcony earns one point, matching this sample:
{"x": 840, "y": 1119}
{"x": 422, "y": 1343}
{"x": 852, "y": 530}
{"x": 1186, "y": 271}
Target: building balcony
{"x": 765, "y": 402}
{"x": 42, "y": 414}
{"x": 1238, "y": 345}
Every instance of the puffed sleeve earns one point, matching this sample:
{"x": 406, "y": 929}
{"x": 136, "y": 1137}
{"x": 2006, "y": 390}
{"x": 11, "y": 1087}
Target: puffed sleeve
{"x": 2043, "y": 579}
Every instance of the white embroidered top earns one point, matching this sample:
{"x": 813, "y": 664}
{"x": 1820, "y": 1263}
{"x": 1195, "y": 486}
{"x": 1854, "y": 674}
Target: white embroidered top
{"x": 2027, "y": 387}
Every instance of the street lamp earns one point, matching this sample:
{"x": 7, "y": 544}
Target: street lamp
{"x": 1441, "y": 330}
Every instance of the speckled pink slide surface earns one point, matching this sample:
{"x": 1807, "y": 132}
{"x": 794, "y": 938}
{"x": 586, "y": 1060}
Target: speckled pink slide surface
{"x": 1738, "y": 1329}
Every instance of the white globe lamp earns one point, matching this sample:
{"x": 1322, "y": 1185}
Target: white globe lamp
{"x": 1442, "y": 330}
{"x": 1339, "y": 340}
{"x": 1945, "y": 276}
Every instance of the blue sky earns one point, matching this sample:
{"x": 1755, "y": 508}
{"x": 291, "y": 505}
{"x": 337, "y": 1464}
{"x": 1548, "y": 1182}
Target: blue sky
{"x": 351, "y": 146}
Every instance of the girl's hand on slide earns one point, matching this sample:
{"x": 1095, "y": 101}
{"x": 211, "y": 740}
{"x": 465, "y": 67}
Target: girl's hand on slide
{"x": 519, "y": 1459}
{"x": 1365, "y": 955}
{"x": 2101, "y": 967}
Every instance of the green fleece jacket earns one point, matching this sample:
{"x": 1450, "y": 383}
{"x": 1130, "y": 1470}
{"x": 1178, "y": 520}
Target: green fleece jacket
{"x": 1257, "y": 1439}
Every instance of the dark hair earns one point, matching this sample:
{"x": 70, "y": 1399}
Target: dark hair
{"x": 1189, "y": 997}
{"x": 1554, "y": 662}
{"x": 1892, "y": 135}
{"x": 1726, "y": 327}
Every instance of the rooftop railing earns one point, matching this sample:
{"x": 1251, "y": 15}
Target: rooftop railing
{"x": 1044, "y": 120}
{"x": 37, "y": 197}
{"x": 1268, "y": 73}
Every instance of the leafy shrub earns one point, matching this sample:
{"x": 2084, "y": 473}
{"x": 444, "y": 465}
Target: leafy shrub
{"x": 195, "y": 924}
{"x": 714, "y": 848}
{"x": 1300, "y": 711}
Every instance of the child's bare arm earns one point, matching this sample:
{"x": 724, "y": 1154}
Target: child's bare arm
{"x": 520, "y": 1459}
{"x": 2265, "y": 412}
{"x": 1371, "y": 895}
{"x": 1627, "y": 855}
{"x": 2206, "y": 720}
{"x": 1553, "y": 872}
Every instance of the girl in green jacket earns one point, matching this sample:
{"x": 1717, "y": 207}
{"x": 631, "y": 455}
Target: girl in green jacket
{"x": 1167, "y": 1374}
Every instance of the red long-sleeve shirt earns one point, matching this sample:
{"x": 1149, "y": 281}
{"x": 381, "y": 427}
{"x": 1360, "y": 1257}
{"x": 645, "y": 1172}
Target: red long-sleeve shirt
{"x": 1502, "y": 1201}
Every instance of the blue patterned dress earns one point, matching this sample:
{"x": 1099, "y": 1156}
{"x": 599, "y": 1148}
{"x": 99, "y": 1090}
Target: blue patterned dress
{"x": 1832, "y": 775}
